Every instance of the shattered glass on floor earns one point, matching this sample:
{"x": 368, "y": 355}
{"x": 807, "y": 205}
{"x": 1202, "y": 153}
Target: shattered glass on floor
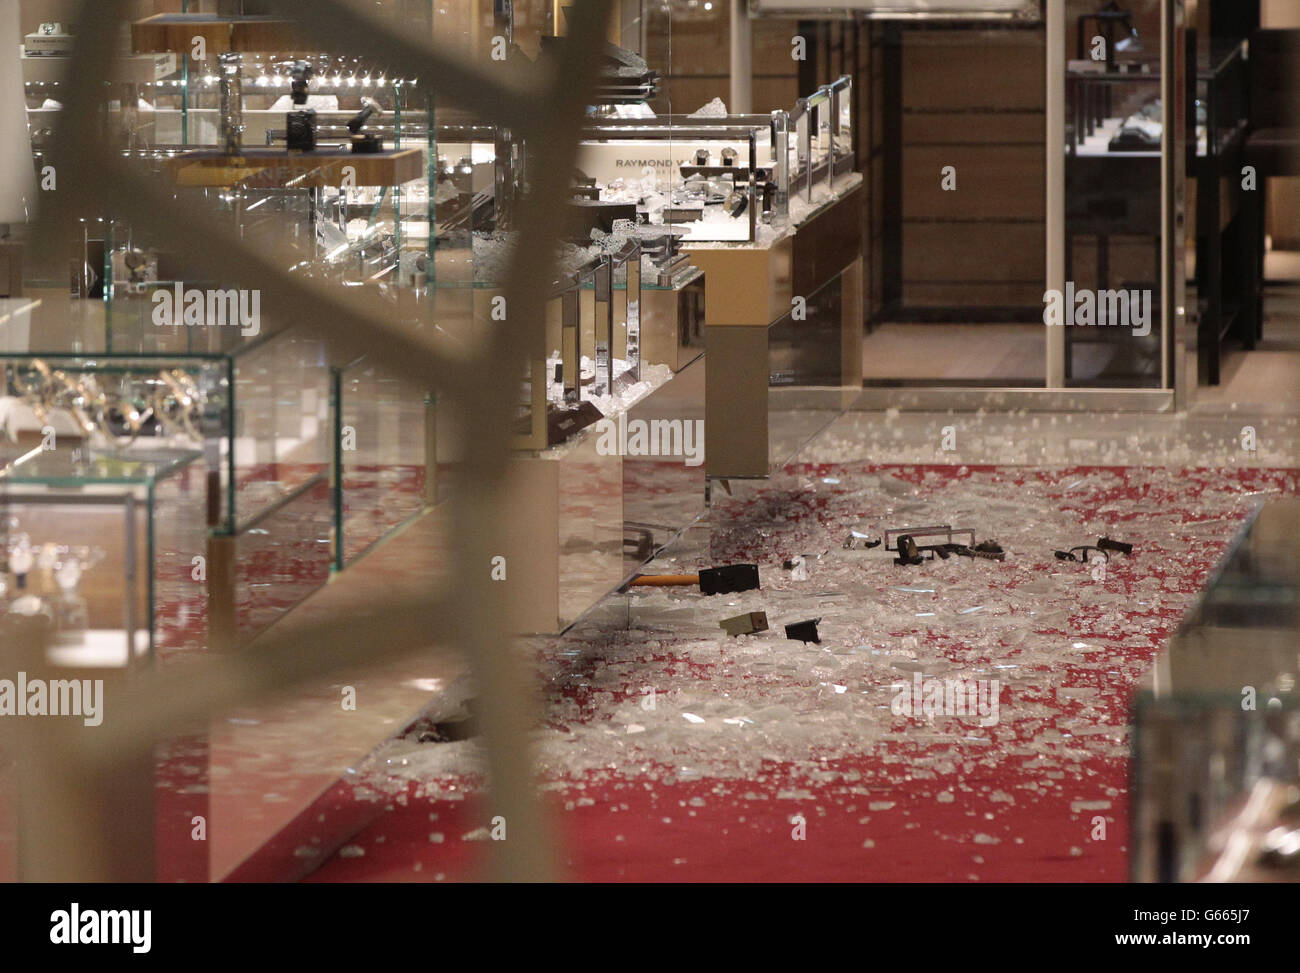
{"x": 672, "y": 751}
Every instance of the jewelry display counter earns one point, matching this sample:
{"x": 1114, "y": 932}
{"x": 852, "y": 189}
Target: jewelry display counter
{"x": 585, "y": 515}
{"x": 259, "y": 414}
{"x": 254, "y": 396}
{"x": 784, "y": 325}
{"x": 768, "y": 206}
{"x": 624, "y": 346}
{"x": 307, "y": 476}
{"x": 1217, "y": 723}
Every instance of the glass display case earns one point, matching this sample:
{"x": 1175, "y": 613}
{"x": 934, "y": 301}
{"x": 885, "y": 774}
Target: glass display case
{"x": 594, "y": 329}
{"x": 722, "y": 177}
{"x": 385, "y": 467}
{"x": 1220, "y": 245}
{"x": 1113, "y": 228}
{"x": 260, "y": 414}
{"x": 1217, "y": 723}
{"x": 105, "y": 553}
{"x": 710, "y": 179}
{"x": 1116, "y": 133}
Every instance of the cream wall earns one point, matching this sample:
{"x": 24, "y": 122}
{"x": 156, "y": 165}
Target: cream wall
{"x": 1279, "y": 13}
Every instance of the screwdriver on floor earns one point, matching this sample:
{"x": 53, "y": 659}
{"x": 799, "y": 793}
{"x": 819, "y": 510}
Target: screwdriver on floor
{"x": 712, "y": 581}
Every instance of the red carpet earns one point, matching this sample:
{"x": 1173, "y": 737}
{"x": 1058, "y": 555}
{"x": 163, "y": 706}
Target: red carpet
{"x": 765, "y": 759}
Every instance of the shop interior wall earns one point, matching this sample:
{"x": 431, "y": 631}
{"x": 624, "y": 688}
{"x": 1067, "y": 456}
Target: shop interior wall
{"x": 1283, "y": 194}
{"x": 971, "y": 98}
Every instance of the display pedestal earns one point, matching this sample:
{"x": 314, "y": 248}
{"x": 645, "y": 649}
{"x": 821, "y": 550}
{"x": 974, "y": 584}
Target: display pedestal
{"x": 784, "y": 323}
{"x": 223, "y": 630}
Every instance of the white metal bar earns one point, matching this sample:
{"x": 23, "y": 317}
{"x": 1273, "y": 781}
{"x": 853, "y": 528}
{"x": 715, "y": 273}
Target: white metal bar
{"x": 1054, "y": 146}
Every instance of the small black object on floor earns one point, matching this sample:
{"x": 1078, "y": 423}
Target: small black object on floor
{"x": 804, "y": 631}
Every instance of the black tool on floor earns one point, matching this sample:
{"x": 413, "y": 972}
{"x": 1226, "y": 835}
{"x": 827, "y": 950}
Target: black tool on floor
{"x": 1106, "y": 544}
{"x": 856, "y": 541}
{"x": 803, "y": 631}
{"x": 909, "y": 542}
{"x": 712, "y": 581}
{"x": 732, "y": 577}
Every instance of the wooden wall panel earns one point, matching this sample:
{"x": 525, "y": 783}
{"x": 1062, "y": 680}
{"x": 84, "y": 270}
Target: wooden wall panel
{"x": 945, "y": 128}
{"x": 974, "y": 252}
{"x": 973, "y": 69}
{"x": 972, "y": 99}
{"x": 994, "y": 182}
{"x": 971, "y": 294}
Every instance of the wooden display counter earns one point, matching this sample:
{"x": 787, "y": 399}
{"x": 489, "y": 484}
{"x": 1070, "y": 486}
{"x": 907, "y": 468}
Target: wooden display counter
{"x": 784, "y": 334}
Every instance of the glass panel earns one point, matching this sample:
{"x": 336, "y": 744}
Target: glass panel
{"x": 283, "y": 556}
{"x": 281, "y": 436}
{"x": 383, "y": 478}
{"x": 805, "y": 367}
{"x": 180, "y": 534}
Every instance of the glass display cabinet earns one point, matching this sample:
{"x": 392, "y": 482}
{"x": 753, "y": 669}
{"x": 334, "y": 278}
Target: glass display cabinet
{"x": 1217, "y": 723}
{"x": 1116, "y": 131}
{"x": 105, "y": 553}
{"x": 706, "y": 178}
{"x": 783, "y": 307}
{"x": 1220, "y": 240}
{"x": 593, "y": 333}
{"x": 737, "y": 178}
{"x": 259, "y": 416}
{"x": 1113, "y": 217}
{"x": 320, "y": 159}
{"x": 383, "y": 426}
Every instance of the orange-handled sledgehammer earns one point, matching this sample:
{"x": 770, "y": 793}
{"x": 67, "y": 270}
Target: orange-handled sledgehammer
{"x": 712, "y": 581}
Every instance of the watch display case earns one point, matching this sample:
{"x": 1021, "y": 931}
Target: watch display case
{"x": 1116, "y": 133}
{"x": 105, "y": 553}
{"x": 1113, "y": 218}
{"x": 737, "y": 178}
{"x": 259, "y": 414}
{"x": 284, "y": 500}
{"x": 594, "y": 331}
{"x": 709, "y": 179}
